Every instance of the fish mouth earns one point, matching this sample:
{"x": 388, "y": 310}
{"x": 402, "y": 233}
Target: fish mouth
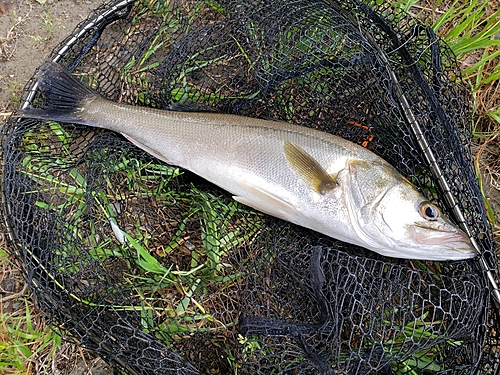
{"x": 447, "y": 239}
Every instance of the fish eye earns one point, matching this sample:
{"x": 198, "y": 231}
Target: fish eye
{"x": 428, "y": 211}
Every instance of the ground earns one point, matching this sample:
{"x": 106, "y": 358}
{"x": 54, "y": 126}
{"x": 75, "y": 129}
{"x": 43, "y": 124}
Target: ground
{"x": 29, "y": 31}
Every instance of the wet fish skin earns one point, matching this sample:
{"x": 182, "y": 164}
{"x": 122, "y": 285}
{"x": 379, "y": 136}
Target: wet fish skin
{"x": 311, "y": 178}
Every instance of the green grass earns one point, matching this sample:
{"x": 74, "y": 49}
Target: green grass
{"x": 139, "y": 69}
{"x": 425, "y": 361}
{"x": 61, "y": 187}
{"x": 469, "y": 30}
{"x": 22, "y": 340}
{"x": 473, "y": 32}
{"x": 15, "y": 88}
{"x": 47, "y": 24}
{"x": 23, "y": 335}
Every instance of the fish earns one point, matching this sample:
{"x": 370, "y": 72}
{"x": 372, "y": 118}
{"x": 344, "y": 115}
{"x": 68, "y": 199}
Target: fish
{"x": 302, "y": 175}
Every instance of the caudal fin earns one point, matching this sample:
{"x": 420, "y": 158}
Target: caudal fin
{"x": 62, "y": 96}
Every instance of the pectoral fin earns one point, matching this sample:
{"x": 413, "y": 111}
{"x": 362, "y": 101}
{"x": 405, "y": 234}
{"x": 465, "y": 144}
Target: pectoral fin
{"x": 309, "y": 169}
{"x": 266, "y": 202}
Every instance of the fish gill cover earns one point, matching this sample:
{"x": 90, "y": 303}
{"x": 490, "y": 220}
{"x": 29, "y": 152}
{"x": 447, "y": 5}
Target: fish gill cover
{"x": 160, "y": 272}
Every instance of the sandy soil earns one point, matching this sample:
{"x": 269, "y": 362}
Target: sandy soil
{"x": 29, "y": 31}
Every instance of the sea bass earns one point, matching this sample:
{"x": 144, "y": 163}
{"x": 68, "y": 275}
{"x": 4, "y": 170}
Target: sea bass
{"x": 305, "y": 176}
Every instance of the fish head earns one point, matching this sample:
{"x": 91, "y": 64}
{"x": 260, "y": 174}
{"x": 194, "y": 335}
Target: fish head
{"x": 396, "y": 220}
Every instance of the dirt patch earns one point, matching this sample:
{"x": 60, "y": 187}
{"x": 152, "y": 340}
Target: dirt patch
{"x": 29, "y": 31}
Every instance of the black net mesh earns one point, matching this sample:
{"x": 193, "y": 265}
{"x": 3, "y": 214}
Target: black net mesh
{"x": 197, "y": 283}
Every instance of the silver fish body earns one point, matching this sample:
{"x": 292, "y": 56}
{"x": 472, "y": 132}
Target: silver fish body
{"x": 244, "y": 156}
{"x": 310, "y": 178}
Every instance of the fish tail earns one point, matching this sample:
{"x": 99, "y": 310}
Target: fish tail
{"x": 63, "y": 96}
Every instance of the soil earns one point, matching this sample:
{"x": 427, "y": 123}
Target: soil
{"x": 29, "y": 31}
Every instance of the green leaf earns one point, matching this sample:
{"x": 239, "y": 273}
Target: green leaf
{"x": 144, "y": 259}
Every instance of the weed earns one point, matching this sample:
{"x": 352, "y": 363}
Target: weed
{"x": 48, "y": 25}
{"x": 15, "y": 88}
{"x": 250, "y": 345}
{"x": 224, "y": 225}
{"x": 138, "y": 70}
{"x": 474, "y": 36}
{"x": 21, "y": 337}
{"x": 425, "y": 360}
